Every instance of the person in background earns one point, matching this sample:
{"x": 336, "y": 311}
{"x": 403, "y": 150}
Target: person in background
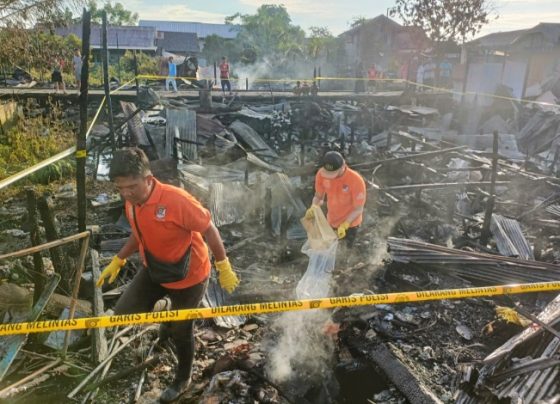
{"x": 77, "y": 63}
{"x": 56, "y": 75}
{"x": 372, "y": 75}
{"x": 305, "y": 89}
{"x": 314, "y": 90}
{"x": 224, "y": 76}
{"x": 297, "y": 89}
{"x": 169, "y": 229}
{"x": 345, "y": 190}
{"x": 171, "y": 74}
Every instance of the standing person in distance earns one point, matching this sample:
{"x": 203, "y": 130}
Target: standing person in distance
{"x": 171, "y": 74}
{"x": 224, "y": 76}
{"x": 77, "y": 62}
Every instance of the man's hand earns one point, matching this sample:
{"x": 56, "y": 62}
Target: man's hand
{"x": 228, "y": 279}
{"x": 341, "y": 231}
{"x": 111, "y": 271}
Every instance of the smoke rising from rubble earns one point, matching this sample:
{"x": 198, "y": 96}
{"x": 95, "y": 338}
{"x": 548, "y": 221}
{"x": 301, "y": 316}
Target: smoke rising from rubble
{"x": 300, "y": 350}
{"x": 270, "y": 68}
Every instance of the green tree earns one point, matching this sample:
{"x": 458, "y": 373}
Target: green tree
{"x": 269, "y": 33}
{"x": 24, "y": 13}
{"x": 215, "y": 47}
{"x": 320, "y": 43}
{"x": 445, "y": 20}
{"x": 116, "y": 13}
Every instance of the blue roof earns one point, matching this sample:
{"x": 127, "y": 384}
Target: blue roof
{"x": 201, "y": 29}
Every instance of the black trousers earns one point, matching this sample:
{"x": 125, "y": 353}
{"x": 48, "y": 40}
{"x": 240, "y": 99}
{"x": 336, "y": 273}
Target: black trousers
{"x": 350, "y": 237}
{"x": 141, "y": 296}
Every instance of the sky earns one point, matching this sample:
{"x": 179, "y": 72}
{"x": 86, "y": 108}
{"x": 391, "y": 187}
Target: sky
{"x": 334, "y": 14}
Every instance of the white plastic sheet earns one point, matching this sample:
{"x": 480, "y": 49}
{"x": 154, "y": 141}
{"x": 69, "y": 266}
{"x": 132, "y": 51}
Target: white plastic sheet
{"x": 320, "y": 247}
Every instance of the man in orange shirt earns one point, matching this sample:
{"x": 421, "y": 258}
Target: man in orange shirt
{"x": 345, "y": 190}
{"x": 168, "y": 228}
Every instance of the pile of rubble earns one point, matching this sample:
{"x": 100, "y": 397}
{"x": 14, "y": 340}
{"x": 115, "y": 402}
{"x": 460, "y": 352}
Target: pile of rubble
{"x": 446, "y": 209}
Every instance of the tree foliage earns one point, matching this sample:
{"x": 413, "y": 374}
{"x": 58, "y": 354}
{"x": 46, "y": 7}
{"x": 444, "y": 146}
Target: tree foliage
{"x": 24, "y": 13}
{"x": 268, "y": 33}
{"x": 116, "y": 13}
{"x": 445, "y": 20}
{"x": 320, "y": 42}
{"x": 35, "y": 50}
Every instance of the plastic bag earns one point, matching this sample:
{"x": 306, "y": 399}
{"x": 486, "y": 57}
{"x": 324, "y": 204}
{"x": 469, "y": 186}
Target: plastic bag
{"x": 320, "y": 247}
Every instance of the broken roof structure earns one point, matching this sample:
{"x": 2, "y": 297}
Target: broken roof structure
{"x": 118, "y": 37}
{"x": 201, "y": 29}
{"x": 181, "y": 43}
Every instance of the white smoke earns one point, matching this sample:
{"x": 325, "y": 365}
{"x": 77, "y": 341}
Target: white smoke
{"x": 300, "y": 349}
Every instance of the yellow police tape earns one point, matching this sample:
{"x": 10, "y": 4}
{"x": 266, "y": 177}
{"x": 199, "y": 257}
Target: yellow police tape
{"x": 272, "y": 307}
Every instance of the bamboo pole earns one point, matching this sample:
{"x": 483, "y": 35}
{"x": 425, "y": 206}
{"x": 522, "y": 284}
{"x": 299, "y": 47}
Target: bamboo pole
{"x": 42, "y": 247}
{"x": 76, "y": 287}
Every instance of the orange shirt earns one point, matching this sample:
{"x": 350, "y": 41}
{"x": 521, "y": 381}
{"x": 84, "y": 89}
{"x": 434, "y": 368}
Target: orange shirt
{"x": 344, "y": 194}
{"x": 170, "y": 221}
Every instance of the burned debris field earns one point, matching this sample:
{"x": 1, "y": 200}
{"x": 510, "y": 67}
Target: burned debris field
{"x": 256, "y": 212}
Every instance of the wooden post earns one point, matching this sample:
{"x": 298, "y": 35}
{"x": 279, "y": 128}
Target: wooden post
{"x": 38, "y": 276}
{"x": 75, "y": 289}
{"x": 135, "y": 77}
{"x": 105, "y": 58}
{"x": 485, "y": 235}
{"x": 57, "y": 255}
{"x": 98, "y": 340}
{"x": 81, "y": 141}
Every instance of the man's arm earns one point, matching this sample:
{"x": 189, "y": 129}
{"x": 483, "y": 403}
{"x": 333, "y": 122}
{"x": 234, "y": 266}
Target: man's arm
{"x": 130, "y": 247}
{"x": 318, "y": 199}
{"x": 214, "y": 241}
{"x": 354, "y": 214}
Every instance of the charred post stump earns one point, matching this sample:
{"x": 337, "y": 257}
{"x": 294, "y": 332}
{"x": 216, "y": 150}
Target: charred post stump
{"x": 81, "y": 138}
{"x": 105, "y": 56}
{"x": 57, "y": 254}
{"x": 38, "y": 275}
{"x": 485, "y": 234}
{"x": 205, "y": 96}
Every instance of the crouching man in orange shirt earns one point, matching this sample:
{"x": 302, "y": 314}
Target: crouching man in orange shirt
{"x": 169, "y": 227}
{"x": 345, "y": 190}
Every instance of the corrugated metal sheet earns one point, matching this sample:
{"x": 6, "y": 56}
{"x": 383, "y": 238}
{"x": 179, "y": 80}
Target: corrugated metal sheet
{"x": 199, "y": 28}
{"x": 249, "y": 137}
{"x": 486, "y": 268}
{"x": 509, "y": 238}
{"x": 135, "y": 125}
{"x": 229, "y": 202}
{"x": 525, "y": 369}
{"x": 181, "y": 124}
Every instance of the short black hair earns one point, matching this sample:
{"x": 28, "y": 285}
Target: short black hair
{"x": 129, "y": 162}
{"x": 332, "y": 161}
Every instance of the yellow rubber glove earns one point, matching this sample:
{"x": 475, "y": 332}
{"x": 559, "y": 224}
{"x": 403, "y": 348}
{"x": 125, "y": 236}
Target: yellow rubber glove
{"x": 341, "y": 231}
{"x": 228, "y": 279}
{"x": 111, "y": 271}
{"x": 310, "y": 213}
